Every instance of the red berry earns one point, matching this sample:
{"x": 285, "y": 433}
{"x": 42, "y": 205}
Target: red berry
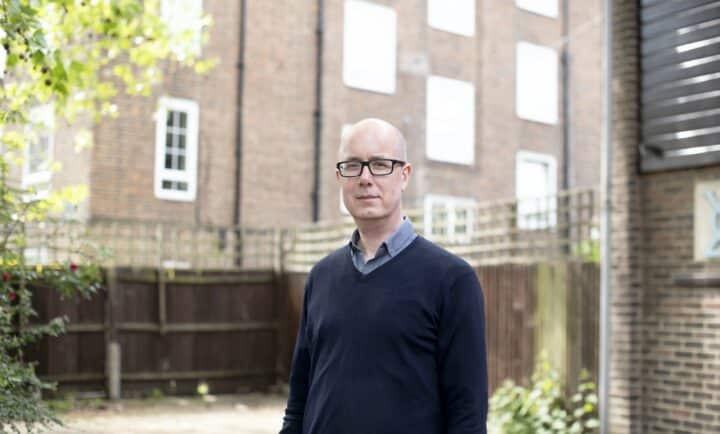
{"x": 73, "y": 267}
{"x": 12, "y": 296}
{"x": 6, "y": 276}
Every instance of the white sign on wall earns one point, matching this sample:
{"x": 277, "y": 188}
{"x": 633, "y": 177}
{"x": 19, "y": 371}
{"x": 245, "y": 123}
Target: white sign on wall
{"x": 707, "y": 220}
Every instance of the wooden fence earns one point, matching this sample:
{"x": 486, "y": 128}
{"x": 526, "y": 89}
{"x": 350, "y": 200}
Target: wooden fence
{"x": 172, "y": 329}
{"x": 529, "y": 308}
{"x": 236, "y": 330}
{"x": 558, "y": 227}
{"x": 184, "y": 304}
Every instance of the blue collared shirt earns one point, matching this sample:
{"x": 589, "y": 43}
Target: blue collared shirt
{"x": 396, "y": 243}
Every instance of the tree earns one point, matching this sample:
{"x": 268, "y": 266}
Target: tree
{"x": 77, "y": 56}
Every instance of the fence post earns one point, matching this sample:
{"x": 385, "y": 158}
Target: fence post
{"x": 113, "y": 352}
{"x": 552, "y": 313}
{"x": 162, "y": 297}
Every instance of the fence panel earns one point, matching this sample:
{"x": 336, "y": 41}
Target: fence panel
{"x": 174, "y": 329}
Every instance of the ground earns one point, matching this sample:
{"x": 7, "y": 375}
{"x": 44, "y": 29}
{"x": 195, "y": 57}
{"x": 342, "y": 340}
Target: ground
{"x": 236, "y": 414}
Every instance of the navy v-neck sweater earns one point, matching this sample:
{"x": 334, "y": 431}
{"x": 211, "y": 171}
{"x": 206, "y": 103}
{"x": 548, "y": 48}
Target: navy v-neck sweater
{"x": 400, "y": 350}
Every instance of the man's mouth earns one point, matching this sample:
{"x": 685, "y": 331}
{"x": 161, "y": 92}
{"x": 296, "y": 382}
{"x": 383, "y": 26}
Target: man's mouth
{"x": 367, "y": 197}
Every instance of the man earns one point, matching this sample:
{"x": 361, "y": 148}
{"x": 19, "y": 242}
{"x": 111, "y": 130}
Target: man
{"x": 392, "y": 336}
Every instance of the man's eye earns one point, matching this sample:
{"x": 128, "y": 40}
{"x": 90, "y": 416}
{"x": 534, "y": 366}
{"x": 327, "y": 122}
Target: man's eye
{"x": 380, "y": 164}
{"x": 352, "y": 166}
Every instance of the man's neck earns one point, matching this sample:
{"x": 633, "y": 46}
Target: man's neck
{"x": 374, "y": 232}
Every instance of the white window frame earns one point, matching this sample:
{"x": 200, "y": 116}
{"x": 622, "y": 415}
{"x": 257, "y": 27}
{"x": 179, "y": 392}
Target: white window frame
{"x": 370, "y": 47}
{"x": 454, "y": 16}
{"x": 451, "y": 204}
{"x": 189, "y": 175}
{"x": 536, "y": 83}
{"x": 548, "y": 8}
{"x": 187, "y": 20}
{"x": 530, "y": 205}
{"x": 450, "y": 118}
{"x": 42, "y": 124}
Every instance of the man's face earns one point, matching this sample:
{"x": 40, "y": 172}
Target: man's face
{"x": 373, "y": 197}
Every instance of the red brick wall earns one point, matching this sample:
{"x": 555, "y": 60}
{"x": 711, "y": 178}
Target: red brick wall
{"x": 279, "y": 99}
{"x": 682, "y": 325}
{"x": 122, "y": 171}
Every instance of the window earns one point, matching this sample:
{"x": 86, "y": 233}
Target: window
{"x": 184, "y": 21}
{"x": 369, "y": 47}
{"x": 176, "y": 144}
{"x": 37, "y": 165}
{"x": 536, "y": 86}
{"x": 448, "y": 217}
{"x": 455, "y": 16}
{"x": 549, "y": 8}
{"x": 450, "y": 120}
{"x": 535, "y": 189}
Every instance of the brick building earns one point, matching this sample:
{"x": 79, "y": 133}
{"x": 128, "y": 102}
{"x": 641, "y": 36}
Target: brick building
{"x": 665, "y": 315}
{"x": 497, "y": 99}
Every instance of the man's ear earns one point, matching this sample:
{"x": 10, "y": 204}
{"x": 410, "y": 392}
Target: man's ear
{"x": 406, "y": 172}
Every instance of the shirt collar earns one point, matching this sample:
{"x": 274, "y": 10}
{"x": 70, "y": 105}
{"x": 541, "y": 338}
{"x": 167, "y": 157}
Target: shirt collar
{"x": 394, "y": 243}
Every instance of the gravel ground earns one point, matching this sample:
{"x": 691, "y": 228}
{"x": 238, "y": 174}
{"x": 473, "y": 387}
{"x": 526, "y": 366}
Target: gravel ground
{"x": 244, "y": 414}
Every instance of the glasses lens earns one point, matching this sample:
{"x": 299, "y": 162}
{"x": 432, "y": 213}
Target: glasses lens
{"x": 381, "y": 167}
{"x": 351, "y": 168}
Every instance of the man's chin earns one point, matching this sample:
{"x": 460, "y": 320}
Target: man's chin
{"x": 367, "y": 214}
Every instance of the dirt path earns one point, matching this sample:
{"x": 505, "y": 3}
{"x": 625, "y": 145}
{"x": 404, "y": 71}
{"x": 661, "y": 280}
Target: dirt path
{"x": 244, "y": 414}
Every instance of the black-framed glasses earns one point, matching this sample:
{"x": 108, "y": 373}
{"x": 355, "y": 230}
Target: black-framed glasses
{"x": 377, "y": 167}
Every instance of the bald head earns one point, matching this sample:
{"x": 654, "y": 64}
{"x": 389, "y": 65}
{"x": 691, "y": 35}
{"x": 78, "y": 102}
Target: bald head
{"x": 375, "y": 130}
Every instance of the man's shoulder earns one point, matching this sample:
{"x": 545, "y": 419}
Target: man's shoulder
{"x": 436, "y": 257}
{"x": 332, "y": 261}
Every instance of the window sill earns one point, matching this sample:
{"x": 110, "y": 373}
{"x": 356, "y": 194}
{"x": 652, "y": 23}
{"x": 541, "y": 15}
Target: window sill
{"x": 698, "y": 279}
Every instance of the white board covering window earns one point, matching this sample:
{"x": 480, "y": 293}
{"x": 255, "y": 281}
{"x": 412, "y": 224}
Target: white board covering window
{"x": 369, "y": 46}
{"x": 176, "y": 149}
{"x": 549, "y": 8}
{"x": 37, "y": 165}
{"x": 455, "y": 16}
{"x": 450, "y": 120}
{"x": 184, "y": 21}
{"x": 448, "y": 217}
{"x": 535, "y": 189}
{"x": 536, "y": 84}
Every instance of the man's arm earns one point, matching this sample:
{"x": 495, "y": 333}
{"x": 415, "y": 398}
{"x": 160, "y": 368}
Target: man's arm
{"x": 299, "y": 375}
{"x": 463, "y": 358}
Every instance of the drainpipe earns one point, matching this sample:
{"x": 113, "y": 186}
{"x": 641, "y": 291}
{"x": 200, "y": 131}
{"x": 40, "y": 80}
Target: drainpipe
{"x": 565, "y": 64}
{"x": 238, "y": 115}
{"x": 317, "y": 114}
{"x": 605, "y": 226}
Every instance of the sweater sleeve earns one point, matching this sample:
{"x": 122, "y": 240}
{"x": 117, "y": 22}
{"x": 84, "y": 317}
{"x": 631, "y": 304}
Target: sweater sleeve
{"x": 462, "y": 357}
{"x": 299, "y": 375}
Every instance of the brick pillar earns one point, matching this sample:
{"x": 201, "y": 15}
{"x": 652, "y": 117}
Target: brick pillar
{"x": 626, "y": 280}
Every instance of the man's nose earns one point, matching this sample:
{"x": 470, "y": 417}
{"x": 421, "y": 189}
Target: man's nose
{"x": 365, "y": 175}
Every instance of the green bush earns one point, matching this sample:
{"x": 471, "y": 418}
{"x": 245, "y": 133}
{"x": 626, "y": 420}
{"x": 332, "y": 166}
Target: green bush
{"x": 542, "y": 407}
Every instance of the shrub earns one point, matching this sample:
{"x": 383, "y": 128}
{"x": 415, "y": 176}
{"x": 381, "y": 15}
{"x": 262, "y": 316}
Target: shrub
{"x": 542, "y": 407}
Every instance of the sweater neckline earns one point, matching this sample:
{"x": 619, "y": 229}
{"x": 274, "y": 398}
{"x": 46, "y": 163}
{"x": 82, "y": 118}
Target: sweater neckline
{"x": 360, "y": 277}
